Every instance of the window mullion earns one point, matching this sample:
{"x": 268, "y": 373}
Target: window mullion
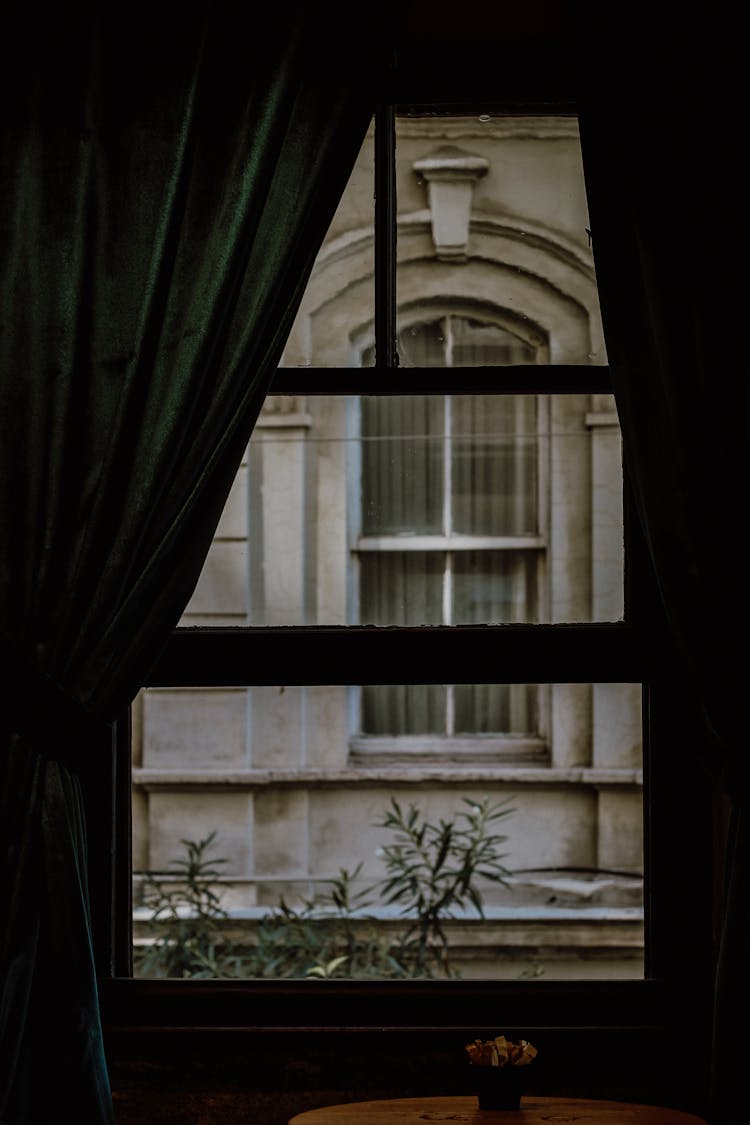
{"x": 386, "y": 350}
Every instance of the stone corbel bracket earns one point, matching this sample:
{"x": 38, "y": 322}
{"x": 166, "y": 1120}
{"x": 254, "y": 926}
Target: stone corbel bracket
{"x": 450, "y": 175}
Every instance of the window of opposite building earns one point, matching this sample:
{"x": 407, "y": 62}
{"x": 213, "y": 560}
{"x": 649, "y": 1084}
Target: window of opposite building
{"x": 449, "y": 528}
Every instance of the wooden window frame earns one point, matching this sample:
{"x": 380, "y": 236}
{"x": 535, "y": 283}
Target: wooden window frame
{"x": 679, "y": 864}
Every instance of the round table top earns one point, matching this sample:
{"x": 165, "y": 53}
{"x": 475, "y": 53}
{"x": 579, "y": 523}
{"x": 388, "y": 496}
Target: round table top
{"x": 534, "y": 1111}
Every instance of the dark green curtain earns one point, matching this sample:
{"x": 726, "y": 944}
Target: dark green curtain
{"x": 663, "y": 126}
{"x": 168, "y": 174}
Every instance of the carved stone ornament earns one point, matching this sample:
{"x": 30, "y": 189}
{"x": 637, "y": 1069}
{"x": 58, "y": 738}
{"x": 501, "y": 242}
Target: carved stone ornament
{"x": 450, "y": 175}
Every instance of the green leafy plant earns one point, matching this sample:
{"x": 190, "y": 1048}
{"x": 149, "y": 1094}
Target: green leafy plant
{"x": 186, "y": 915}
{"x": 329, "y": 936}
{"x": 533, "y": 971}
{"x": 433, "y": 870}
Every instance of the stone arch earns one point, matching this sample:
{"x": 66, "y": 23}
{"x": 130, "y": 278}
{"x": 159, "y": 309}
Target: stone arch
{"x": 518, "y": 268}
{"x": 433, "y": 307}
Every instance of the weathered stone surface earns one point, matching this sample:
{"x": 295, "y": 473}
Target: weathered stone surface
{"x": 174, "y": 816}
{"x": 281, "y": 834}
{"x": 617, "y": 732}
{"x": 187, "y": 730}
{"x": 620, "y": 837}
{"x": 222, "y": 586}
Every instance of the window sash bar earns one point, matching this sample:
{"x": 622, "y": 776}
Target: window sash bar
{"x": 310, "y": 655}
{"x": 385, "y": 1005}
{"x": 386, "y": 351}
{"x": 511, "y": 380}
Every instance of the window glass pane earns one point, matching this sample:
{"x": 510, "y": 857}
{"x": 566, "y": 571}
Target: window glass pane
{"x": 335, "y": 320}
{"x": 401, "y": 588}
{"x": 516, "y": 499}
{"x": 423, "y": 344}
{"x": 456, "y": 341}
{"x": 494, "y": 587}
{"x": 288, "y": 788}
{"x": 475, "y": 343}
{"x": 403, "y": 709}
{"x": 414, "y": 588}
{"x": 402, "y": 464}
{"x": 492, "y": 242}
{"x": 494, "y": 708}
{"x": 494, "y": 262}
{"x": 494, "y": 447}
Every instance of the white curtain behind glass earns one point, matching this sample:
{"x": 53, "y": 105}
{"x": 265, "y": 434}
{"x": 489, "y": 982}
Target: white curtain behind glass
{"x": 447, "y": 466}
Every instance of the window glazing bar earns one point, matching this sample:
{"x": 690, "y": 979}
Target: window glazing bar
{"x": 386, "y": 351}
{"x": 511, "y": 380}
{"x": 278, "y": 656}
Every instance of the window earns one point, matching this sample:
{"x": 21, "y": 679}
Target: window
{"x": 422, "y": 511}
{"x": 450, "y": 523}
{"x": 500, "y": 413}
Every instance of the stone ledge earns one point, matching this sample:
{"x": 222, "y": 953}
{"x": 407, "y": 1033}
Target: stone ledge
{"x": 281, "y": 421}
{"x": 501, "y": 947}
{"x": 409, "y": 775}
{"x": 631, "y": 916}
{"x": 606, "y": 419}
{"x": 491, "y": 127}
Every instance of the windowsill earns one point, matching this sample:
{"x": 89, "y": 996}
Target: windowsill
{"x": 448, "y": 752}
{"x": 327, "y": 1005}
{"x": 406, "y": 541}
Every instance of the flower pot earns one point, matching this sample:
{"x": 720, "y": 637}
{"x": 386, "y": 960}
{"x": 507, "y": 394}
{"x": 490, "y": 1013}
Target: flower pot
{"x": 498, "y": 1087}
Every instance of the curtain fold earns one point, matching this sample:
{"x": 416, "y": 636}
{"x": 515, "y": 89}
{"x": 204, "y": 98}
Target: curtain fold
{"x": 662, "y": 132}
{"x": 168, "y": 176}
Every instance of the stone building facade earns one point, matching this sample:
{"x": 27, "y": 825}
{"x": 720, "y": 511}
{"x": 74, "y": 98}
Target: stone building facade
{"x": 404, "y": 511}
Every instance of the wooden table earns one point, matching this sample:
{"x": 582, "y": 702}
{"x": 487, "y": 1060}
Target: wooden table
{"x": 534, "y": 1111}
